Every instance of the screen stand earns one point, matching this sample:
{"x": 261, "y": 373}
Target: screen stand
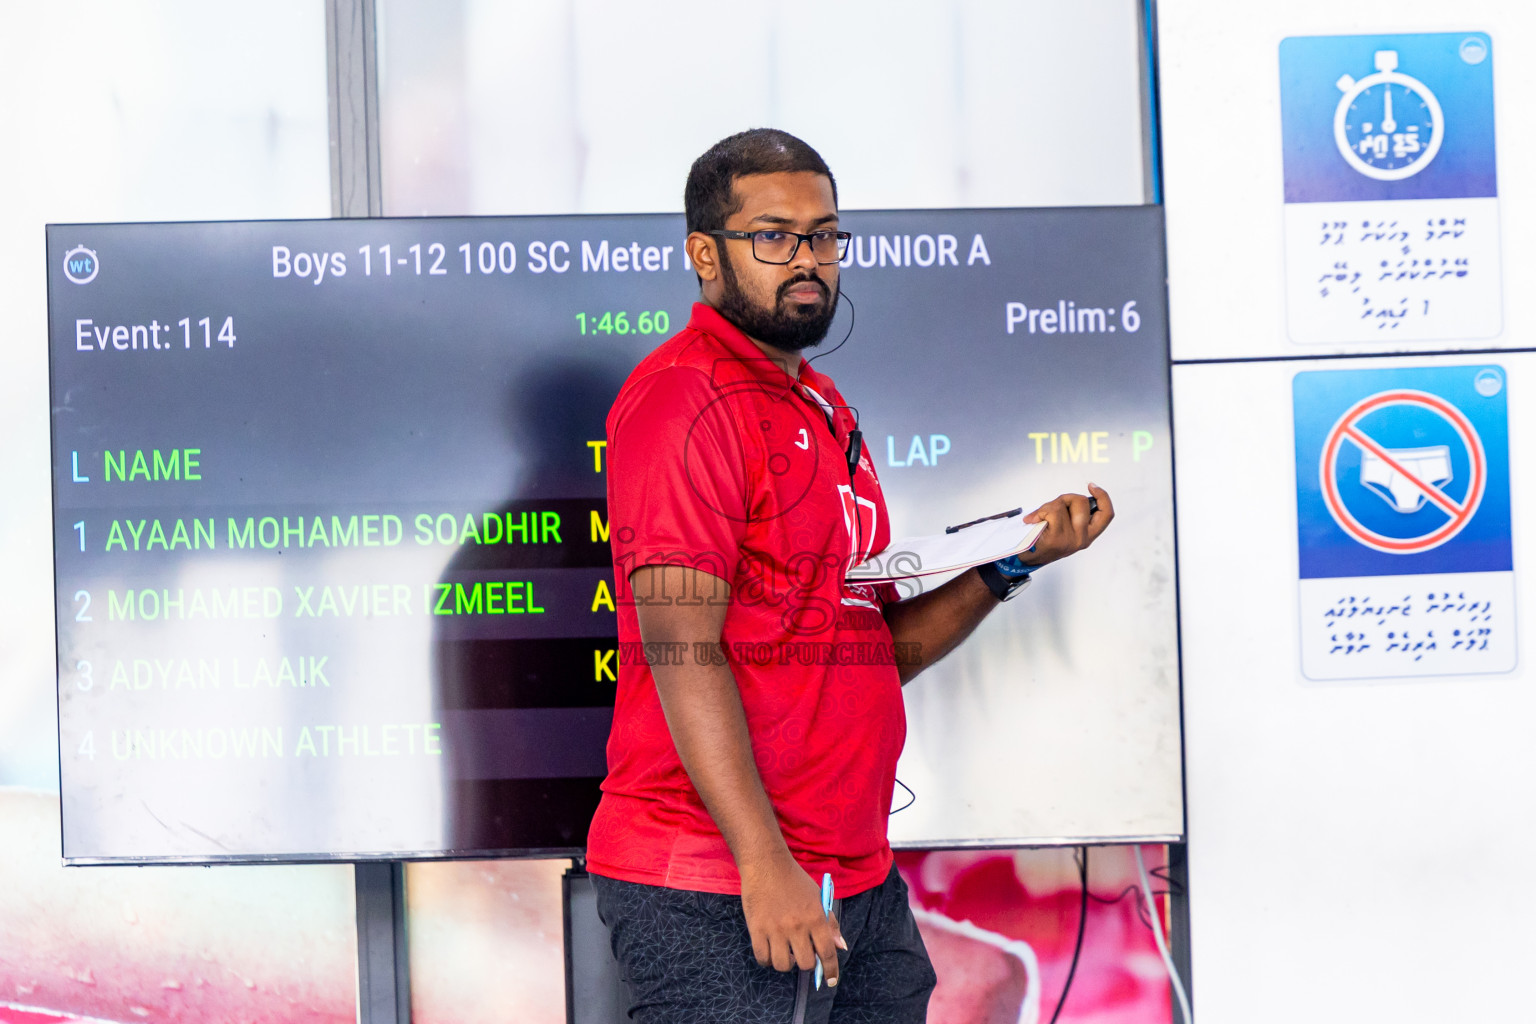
{"x": 383, "y": 975}
{"x": 1178, "y": 941}
{"x": 594, "y": 994}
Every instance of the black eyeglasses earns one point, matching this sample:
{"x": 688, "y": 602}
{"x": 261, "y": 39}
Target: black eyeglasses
{"x": 775, "y": 246}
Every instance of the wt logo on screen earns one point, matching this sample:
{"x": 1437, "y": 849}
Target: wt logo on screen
{"x": 80, "y": 265}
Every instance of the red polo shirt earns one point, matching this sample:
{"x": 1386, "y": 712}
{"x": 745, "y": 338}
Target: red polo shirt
{"x": 717, "y": 460}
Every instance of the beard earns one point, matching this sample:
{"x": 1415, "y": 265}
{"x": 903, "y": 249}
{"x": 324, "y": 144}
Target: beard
{"x": 787, "y": 326}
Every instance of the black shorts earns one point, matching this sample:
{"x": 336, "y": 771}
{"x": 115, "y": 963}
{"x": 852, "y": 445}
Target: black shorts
{"x": 686, "y": 958}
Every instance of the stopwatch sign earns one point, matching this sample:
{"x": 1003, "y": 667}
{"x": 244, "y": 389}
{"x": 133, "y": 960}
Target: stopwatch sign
{"x": 1403, "y": 471}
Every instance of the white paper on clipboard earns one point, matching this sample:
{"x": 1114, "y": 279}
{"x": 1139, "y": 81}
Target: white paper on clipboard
{"x": 908, "y": 557}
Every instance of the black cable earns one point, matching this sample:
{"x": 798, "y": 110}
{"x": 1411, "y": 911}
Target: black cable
{"x": 858, "y": 520}
{"x": 1082, "y": 927}
{"x": 1138, "y": 903}
{"x": 852, "y": 316}
{"x": 1112, "y": 900}
{"x": 911, "y": 794}
{"x": 855, "y": 437}
{"x": 1161, "y": 874}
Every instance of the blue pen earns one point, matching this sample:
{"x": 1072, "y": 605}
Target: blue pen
{"x": 826, "y": 908}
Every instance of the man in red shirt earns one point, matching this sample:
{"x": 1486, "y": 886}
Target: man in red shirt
{"x": 759, "y": 718}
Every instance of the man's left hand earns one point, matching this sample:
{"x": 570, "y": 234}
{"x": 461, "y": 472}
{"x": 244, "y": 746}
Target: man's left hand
{"x": 1071, "y": 524}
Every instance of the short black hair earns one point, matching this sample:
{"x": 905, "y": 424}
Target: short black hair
{"x": 709, "y": 197}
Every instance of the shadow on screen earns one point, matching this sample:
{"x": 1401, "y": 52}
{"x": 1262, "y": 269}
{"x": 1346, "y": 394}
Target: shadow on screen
{"x": 522, "y": 670}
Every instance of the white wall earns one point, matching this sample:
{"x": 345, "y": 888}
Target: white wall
{"x": 599, "y": 106}
{"x": 1220, "y": 102}
{"x": 1357, "y": 848}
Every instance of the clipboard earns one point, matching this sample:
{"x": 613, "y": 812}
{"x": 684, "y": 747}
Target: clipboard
{"x": 959, "y": 547}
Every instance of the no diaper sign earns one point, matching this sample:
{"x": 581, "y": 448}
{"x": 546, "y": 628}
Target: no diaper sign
{"x": 1403, "y": 526}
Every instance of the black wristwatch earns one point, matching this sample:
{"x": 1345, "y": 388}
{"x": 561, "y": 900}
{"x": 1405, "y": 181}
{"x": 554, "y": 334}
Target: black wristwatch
{"x": 1002, "y": 586}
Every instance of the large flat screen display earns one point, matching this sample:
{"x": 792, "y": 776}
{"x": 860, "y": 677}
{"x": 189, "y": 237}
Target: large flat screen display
{"x": 330, "y": 536}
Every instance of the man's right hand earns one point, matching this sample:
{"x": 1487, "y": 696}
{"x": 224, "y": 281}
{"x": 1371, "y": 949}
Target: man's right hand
{"x": 704, "y": 714}
{"x": 783, "y": 909}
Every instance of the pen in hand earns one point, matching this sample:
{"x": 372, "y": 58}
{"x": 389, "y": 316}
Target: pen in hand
{"x": 1000, "y": 515}
{"x": 826, "y": 908}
